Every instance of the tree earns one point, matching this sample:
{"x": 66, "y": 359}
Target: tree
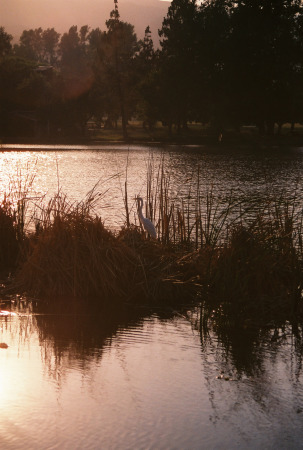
{"x": 116, "y": 52}
{"x": 50, "y": 39}
{"x": 76, "y": 78}
{"x": 250, "y": 54}
{"x": 178, "y": 61}
{"x": 38, "y": 45}
{"x": 265, "y": 42}
{"x": 5, "y": 42}
{"x": 212, "y": 42}
{"x": 13, "y": 72}
{"x": 31, "y": 45}
{"x": 147, "y": 87}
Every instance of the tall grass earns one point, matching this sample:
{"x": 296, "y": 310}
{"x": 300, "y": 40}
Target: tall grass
{"x": 74, "y": 256}
{"x": 257, "y": 275}
{"x": 190, "y": 220}
{"x": 8, "y": 236}
{"x": 14, "y": 217}
{"x": 244, "y": 262}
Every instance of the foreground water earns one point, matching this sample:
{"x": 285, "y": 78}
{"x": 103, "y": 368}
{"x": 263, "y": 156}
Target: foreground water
{"x": 146, "y": 379}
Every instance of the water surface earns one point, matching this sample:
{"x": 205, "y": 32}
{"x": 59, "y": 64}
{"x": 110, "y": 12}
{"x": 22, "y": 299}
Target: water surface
{"x": 146, "y": 379}
{"x": 75, "y": 170}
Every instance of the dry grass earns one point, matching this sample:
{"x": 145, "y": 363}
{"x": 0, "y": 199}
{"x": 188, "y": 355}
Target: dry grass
{"x": 257, "y": 275}
{"x": 9, "y": 248}
{"x": 73, "y": 256}
{"x": 240, "y": 265}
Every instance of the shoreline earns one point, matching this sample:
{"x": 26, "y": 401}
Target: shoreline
{"x": 257, "y": 142}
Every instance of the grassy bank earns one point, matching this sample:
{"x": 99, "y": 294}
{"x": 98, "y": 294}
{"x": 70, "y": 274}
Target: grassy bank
{"x": 243, "y": 265}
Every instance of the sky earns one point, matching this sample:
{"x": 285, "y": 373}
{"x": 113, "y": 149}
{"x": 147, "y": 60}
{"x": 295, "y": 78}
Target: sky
{"x": 19, "y": 15}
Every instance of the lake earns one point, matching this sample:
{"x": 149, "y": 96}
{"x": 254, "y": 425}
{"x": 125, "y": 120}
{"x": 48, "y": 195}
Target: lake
{"x": 146, "y": 378}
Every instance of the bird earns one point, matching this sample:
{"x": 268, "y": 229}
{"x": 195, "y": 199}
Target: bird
{"x": 146, "y": 223}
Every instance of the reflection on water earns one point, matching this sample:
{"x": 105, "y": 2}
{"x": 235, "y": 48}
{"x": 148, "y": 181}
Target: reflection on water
{"x": 145, "y": 379}
{"x": 77, "y": 169}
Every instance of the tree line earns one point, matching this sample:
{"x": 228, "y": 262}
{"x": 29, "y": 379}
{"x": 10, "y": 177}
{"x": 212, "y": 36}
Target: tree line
{"x": 221, "y": 62}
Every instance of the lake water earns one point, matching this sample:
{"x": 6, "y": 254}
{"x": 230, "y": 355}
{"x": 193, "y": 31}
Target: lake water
{"x": 74, "y": 171}
{"x": 146, "y": 379}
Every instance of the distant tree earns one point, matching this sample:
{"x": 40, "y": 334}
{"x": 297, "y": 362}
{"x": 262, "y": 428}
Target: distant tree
{"x": 72, "y": 50}
{"x": 147, "y": 85}
{"x": 38, "y": 45}
{"x": 76, "y": 77}
{"x": 250, "y": 61}
{"x": 50, "y": 45}
{"x": 13, "y": 72}
{"x": 265, "y": 60}
{"x": 30, "y": 45}
{"x": 178, "y": 61}
{"x": 5, "y": 42}
{"x": 146, "y": 48}
{"x": 116, "y": 52}
{"x": 211, "y": 102}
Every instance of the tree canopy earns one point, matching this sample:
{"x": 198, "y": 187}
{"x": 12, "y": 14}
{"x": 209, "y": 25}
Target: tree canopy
{"x": 222, "y": 62}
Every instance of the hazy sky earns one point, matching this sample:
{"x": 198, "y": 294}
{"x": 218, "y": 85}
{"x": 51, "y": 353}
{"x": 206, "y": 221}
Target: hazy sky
{"x": 19, "y": 15}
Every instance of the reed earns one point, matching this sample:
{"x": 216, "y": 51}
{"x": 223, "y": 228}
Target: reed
{"x": 190, "y": 220}
{"x": 242, "y": 262}
{"x": 9, "y": 245}
{"x": 257, "y": 275}
{"x": 15, "y": 217}
{"x": 74, "y": 256}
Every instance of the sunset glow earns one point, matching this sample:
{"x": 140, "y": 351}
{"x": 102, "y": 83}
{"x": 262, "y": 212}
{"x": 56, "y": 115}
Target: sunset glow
{"x": 18, "y": 15}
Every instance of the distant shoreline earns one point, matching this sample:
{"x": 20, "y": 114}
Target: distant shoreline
{"x": 227, "y": 141}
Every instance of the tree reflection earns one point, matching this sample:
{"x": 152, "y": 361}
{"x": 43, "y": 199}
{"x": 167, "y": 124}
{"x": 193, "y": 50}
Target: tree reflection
{"x": 78, "y": 335}
{"x": 244, "y": 351}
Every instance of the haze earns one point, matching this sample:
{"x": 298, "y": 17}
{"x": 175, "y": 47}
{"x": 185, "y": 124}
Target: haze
{"x": 19, "y": 15}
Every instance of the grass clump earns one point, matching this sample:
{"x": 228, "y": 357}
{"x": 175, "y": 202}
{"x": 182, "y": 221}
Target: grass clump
{"x": 74, "y": 256}
{"x": 243, "y": 263}
{"x": 9, "y": 246}
{"x": 256, "y": 275}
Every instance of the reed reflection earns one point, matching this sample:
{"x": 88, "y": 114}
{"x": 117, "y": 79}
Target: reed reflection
{"x": 249, "y": 351}
{"x": 79, "y": 335}
{"x": 83, "y": 335}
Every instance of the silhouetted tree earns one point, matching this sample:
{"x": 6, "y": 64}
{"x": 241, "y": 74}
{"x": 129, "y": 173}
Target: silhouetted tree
{"x": 77, "y": 78}
{"x": 264, "y": 60}
{"x": 116, "y": 56}
{"x": 13, "y": 72}
{"x": 50, "y": 39}
{"x": 178, "y": 61}
{"x": 5, "y": 42}
{"x": 147, "y": 80}
{"x": 224, "y": 62}
{"x": 251, "y": 54}
{"x": 30, "y": 45}
{"x": 38, "y": 45}
{"x": 212, "y": 42}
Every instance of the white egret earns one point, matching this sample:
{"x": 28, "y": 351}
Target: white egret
{"x": 146, "y": 223}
